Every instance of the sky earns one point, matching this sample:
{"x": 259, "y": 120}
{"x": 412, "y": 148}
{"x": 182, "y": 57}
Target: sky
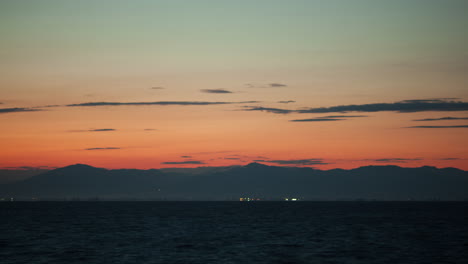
{"x": 155, "y": 84}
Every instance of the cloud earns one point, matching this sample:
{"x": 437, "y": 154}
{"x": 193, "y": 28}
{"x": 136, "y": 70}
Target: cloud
{"x": 462, "y": 126}
{"x": 95, "y": 130}
{"x": 232, "y": 158}
{"x": 442, "y": 118}
{"x": 268, "y": 109}
{"x": 450, "y": 159}
{"x": 277, "y": 85}
{"x": 102, "y": 129}
{"x": 150, "y": 129}
{"x": 18, "y": 109}
{"x": 327, "y": 118}
{"x": 286, "y": 102}
{"x": 182, "y": 162}
{"x": 157, "y": 88}
{"x": 406, "y": 106}
{"x": 316, "y": 120}
{"x": 395, "y": 160}
{"x": 106, "y": 148}
{"x": 186, "y": 157}
{"x": 217, "y": 91}
{"x": 157, "y": 103}
{"x": 295, "y": 162}
{"x": 343, "y": 116}
{"x": 212, "y": 152}
{"x": 430, "y": 100}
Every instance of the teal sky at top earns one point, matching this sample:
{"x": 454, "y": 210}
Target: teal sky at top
{"x": 230, "y": 34}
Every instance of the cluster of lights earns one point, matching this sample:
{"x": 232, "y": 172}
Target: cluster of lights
{"x": 291, "y": 199}
{"x": 248, "y": 199}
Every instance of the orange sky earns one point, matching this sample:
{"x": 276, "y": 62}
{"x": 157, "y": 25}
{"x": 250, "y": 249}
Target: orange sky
{"x": 314, "y": 55}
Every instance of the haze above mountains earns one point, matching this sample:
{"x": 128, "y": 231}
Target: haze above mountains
{"x": 231, "y": 183}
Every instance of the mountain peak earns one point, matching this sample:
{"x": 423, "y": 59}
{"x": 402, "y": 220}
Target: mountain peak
{"x": 78, "y": 166}
{"x": 254, "y": 165}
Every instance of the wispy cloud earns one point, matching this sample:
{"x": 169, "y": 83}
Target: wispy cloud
{"x": 156, "y": 88}
{"x": 102, "y": 130}
{"x": 277, "y": 85}
{"x": 106, "y": 148}
{"x": 462, "y": 126}
{"x": 295, "y": 162}
{"x": 186, "y": 157}
{"x": 442, "y": 119}
{"x": 18, "y": 109}
{"x": 431, "y": 100}
{"x": 95, "y": 130}
{"x": 268, "y": 109}
{"x": 406, "y": 106}
{"x": 316, "y": 120}
{"x": 327, "y": 118}
{"x": 156, "y": 103}
{"x": 216, "y": 91}
{"x": 343, "y": 116}
{"x": 150, "y": 129}
{"x": 269, "y": 85}
{"x": 395, "y": 160}
{"x": 183, "y": 162}
{"x": 286, "y": 102}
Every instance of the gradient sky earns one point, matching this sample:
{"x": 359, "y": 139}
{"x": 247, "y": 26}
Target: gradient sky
{"x": 184, "y": 56}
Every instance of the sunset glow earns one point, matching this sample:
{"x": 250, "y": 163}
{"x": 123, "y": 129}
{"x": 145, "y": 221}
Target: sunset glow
{"x": 157, "y": 84}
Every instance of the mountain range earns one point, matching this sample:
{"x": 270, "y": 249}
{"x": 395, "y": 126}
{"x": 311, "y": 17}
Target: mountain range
{"x": 255, "y": 181}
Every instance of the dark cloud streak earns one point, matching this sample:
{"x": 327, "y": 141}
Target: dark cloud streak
{"x": 316, "y": 120}
{"x": 106, "y": 148}
{"x": 183, "y": 162}
{"x": 343, "y": 116}
{"x": 277, "y": 85}
{"x": 442, "y": 119}
{"x": 216, "y": 91}
{"x": 407, "y": 106}
{"x": 396, "y": 160}
{"x": 462, "y": 126}
{"x": 268, "y": 109}
{"x": 295, "y": 162}
{"x": 102, "y": 130}
{"x": 95, "y": 130}
{"x": 18, "y": 109}
{"x": 156, "y": 103}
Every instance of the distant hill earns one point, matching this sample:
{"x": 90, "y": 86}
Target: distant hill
{"x": 13, "y": 175}
{"x": 254, "y": 180}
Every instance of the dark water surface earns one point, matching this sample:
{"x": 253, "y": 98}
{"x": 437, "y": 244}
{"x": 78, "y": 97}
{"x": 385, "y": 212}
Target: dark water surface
{"x": 233, "y": 232}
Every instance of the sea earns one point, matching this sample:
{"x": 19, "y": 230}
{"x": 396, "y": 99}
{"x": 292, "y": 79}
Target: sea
{"x": 233, "y": 232}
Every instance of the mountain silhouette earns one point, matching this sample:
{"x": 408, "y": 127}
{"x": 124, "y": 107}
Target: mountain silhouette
{"x": 254, "y": 180}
